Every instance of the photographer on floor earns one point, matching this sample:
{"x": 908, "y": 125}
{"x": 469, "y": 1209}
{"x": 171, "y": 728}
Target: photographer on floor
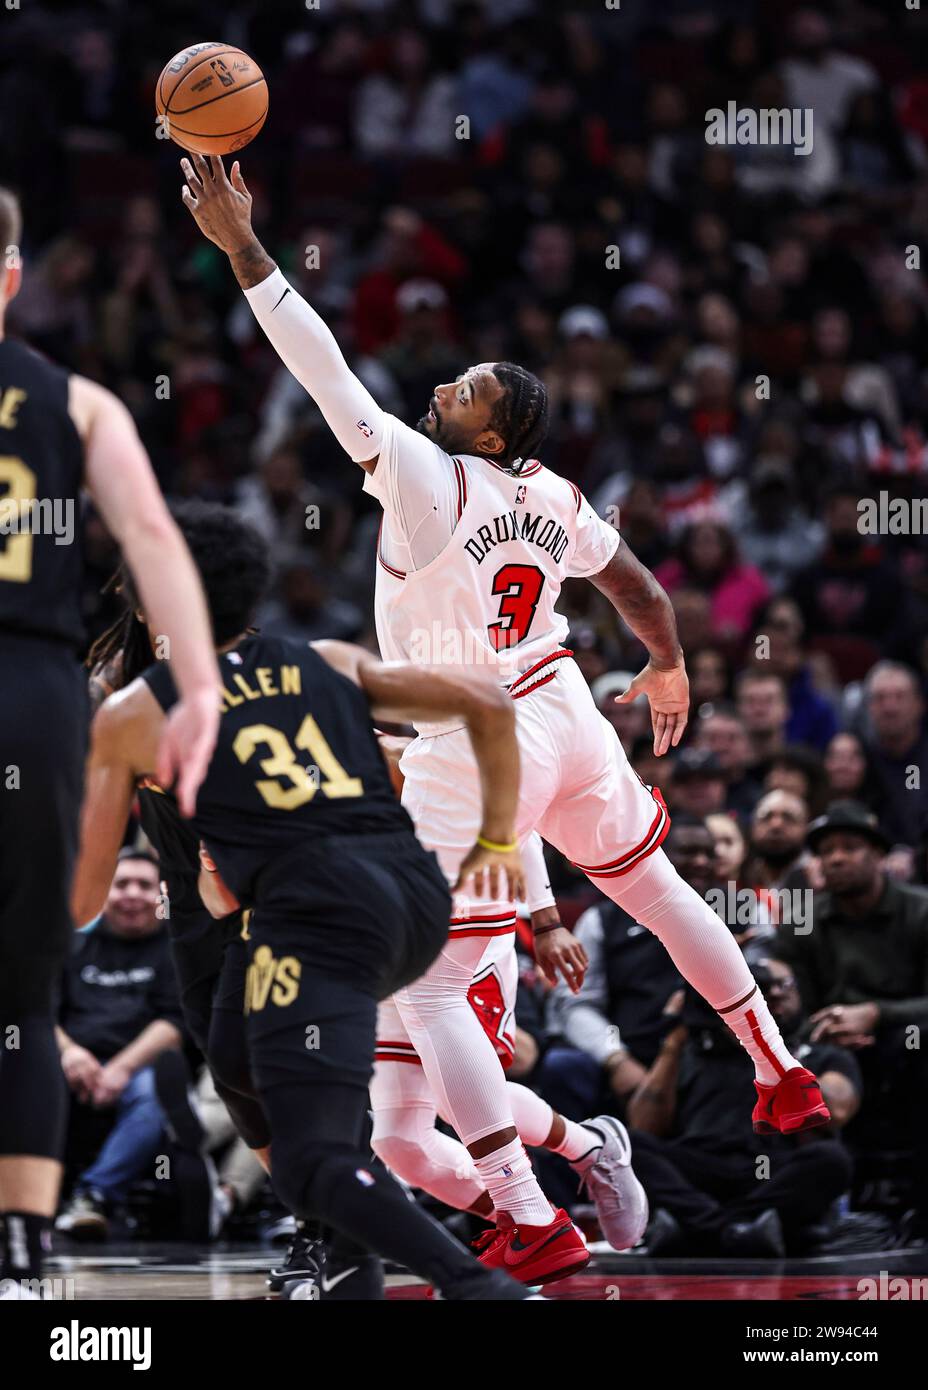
{"x": 714, "y": 1186}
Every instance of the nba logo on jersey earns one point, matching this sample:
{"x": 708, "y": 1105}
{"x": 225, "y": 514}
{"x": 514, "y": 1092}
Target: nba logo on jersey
{"x": 520, "y": 495}
{"x": 365, "y": 429}
{"x": 364, "y": 1177}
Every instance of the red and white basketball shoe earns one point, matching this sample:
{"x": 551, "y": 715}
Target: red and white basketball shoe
{"x": 793, "y": 1104}
{"x": 534, "y": 1254}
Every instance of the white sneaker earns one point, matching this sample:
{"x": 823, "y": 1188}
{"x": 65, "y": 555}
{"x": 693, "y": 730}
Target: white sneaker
{"x": 607, "y": 1174}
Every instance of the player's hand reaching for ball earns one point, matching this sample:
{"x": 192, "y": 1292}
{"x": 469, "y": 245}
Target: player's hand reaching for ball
{"x": 668, "y": 692}
{"x": 221, "y": 208}
{"x": 490, "y": 870}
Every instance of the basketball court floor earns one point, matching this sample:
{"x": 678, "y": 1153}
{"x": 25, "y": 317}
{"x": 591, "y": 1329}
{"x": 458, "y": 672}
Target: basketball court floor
{"x": 144, "y": 1271}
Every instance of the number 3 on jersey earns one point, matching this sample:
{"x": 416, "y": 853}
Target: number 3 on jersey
{"x": 521, "y": 587}
{"x": 17, "y": 489}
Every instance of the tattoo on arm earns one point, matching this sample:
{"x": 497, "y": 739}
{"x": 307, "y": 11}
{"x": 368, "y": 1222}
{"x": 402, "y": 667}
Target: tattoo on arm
{"x": 643, "y": 603}
{"x": 251, "y": 265}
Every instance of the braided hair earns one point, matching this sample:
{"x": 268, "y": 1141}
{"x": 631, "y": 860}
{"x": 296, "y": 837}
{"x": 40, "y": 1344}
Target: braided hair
{"x": 234, "y": 568}
{"x": 520, "y": 416}
{"x": 124, "y": 650}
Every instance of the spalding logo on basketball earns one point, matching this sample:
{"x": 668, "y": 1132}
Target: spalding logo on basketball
{"x": 212, "y": 98}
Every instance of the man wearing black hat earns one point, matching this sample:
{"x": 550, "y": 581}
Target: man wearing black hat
{"x": 699, "y": 783}
{"x": 862, "y": 973}
{"x": 864, "y": 966}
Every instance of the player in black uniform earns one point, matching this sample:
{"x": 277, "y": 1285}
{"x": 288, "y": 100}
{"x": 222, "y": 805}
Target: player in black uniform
{"x": 210, "y": 956}
{"x": 299, "y": 815}
{"x": 58, "y": 434}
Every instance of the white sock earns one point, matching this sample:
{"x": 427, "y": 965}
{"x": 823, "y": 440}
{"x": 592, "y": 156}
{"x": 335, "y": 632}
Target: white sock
{"x": 508, "y": 1177}
{"x": 534, "y": 1117}
{"x": 578, "y": 1142}
{"x": 753, "y": 1025}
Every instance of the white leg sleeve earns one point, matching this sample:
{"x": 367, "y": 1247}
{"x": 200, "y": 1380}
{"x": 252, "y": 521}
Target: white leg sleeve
{"x": 459, "y": 1060}
{"x": 406, "y": 1140}
{"x": 533, "y": 1116}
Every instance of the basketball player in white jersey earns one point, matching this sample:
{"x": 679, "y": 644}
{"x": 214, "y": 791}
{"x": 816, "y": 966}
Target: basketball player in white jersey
{"x": 477, "y": 540}
{"x": 404, "y": 1108}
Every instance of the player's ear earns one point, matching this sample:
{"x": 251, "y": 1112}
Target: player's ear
{"x": 14, "y": 278}
{"x": 489, "y": 442}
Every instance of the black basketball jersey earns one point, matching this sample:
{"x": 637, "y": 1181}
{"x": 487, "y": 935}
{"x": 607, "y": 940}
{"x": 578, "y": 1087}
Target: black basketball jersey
{"x": 296, "y": 758}
{"x": 41, "y": 471}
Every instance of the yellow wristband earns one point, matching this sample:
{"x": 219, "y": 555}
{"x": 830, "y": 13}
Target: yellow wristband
{"x": 495, "y": 848}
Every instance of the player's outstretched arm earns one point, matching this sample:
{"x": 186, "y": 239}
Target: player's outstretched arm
{"x": 124, "y": 738}
{"x": 221, "y": 208}
{"x": 643, "y": 603}
{"x": 122, "y": 484}
{"x": 400, "y": 692}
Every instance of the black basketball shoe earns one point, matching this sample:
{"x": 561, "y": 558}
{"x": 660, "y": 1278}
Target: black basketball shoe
{"x": 303, "y": 1260}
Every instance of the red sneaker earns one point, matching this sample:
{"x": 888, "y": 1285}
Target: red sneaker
{"x": 793, "y": 1104}
{"x": 491, "y": 1236}
{"x": 536, "y": 1254}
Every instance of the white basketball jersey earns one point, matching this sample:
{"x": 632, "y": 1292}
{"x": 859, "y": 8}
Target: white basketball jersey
{"x": 489, "y": 598}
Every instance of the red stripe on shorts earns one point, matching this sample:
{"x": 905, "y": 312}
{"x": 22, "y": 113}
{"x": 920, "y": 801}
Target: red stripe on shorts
{"x": 411, "y": 1058}
{"x": 652, "y": 841}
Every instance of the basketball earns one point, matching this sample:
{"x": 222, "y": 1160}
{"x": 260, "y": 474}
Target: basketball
{"x": 213, "y": 98}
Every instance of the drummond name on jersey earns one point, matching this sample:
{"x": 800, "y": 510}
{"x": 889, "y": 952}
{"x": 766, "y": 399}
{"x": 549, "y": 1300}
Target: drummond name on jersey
{"x": 548, "y": 534}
